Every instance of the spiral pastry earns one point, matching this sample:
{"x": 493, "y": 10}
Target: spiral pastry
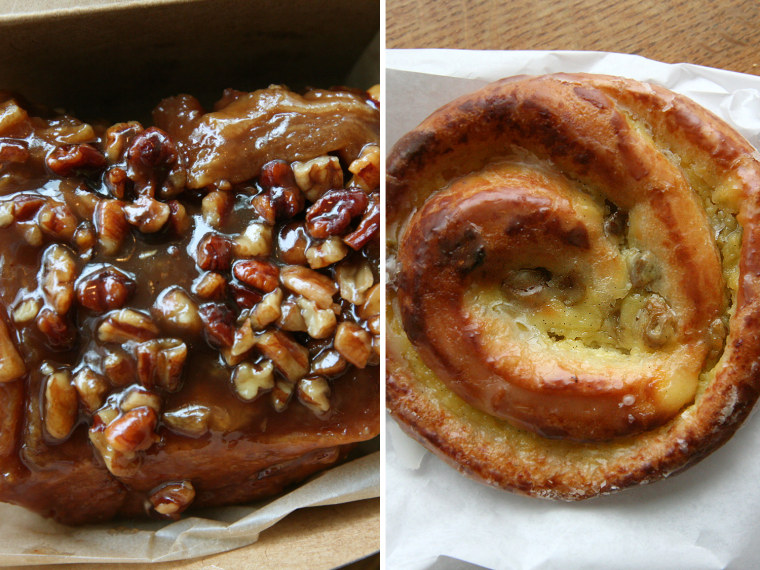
{"x": 574, "y": 274}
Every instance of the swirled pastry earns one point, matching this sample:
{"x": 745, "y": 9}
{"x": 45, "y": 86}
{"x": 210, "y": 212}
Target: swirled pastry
{"x": 573, "y": 294}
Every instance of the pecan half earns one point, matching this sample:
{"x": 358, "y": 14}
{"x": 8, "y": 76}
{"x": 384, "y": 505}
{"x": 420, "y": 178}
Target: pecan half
{"x": 310, "y": 284}
{"x": 105, "y": 289}
{"x": 290, "y": 357}
{"x": 261, "y": 275}
{"x": 332, "y": 213}
{"x": 59, "y": 270}
{"x": 218, "y": 324}
{"x": 215, "y": 253}
{"x": 61, "y": 405}
{"x": 127, "y": 324}
{"x": 56, "y": 220}
{"x": 133, "y": 431}
{"x": 369, "y": 226}
{"x": 111, "y": 225}
{"x": 92, "y": 388}
{"x": 161, "y": 362}
{"x": 170, "y": 499}
{"x": 73, "y": 159}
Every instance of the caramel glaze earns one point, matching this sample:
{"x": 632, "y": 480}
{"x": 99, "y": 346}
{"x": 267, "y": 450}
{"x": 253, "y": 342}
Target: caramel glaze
{"x": 250, "y": 450}
{"x": 521, "y": 176}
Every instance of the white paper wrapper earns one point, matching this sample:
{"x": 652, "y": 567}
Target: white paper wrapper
{"x": 26, "y": 538}
{"x": 706, "y": 518}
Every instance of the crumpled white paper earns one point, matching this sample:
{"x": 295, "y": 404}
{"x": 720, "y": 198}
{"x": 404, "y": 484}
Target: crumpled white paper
{"x": 705, "y": 518}
{"x": 26, "y": 538}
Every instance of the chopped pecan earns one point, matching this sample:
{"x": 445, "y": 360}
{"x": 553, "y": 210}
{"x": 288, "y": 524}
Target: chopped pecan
{"x": 111, "y": 225}
{"x": 58, "y": 331}
{"x": 6, "y": 213}
{"x": 369, "y": 226}
{"x": 371, "y": 306}
{"x": 151, "y": 158}
{"x": 314, "y": 393}
{"x": 177, "y": 311}
{"x": 283, "y": 194}
{"x": 310, "y": 284}
{"x": 170, "y": 499}
{"x": 245, "y": 298}
{"x": 244, "y": 339}
{"x": 290, "y": 316}
{"x": 61, "y": 405}
{"x": 326, "y": 252}
{"x": 11, "y": 364}
{"x": 92, "y": 388}
{"x": 255, "y": 241}
{"x": 133, "y": 431}
{"x": 320, "y": 323}
{"x": 281, "y": 394}
{"x": 218, "y": 324}
{"x": 137, "y": 396}
{"x": 27, "y": 310}
{"x": 366, "y": 168}
{"x": 292, "y": 242}
{"x": 192, "y": 420}
{"x": 179, "y": 221}
{"x": 57, "y": 220}
{"x": 215, "y": 207}
{"x": 85, "y": 239}
{"x": 332, "y": 213}
{"x": 290, "y": 357}
{"x": 59, "y": 270}
{"x": 215, "y": 253}
{"x": 353, "y": 343}
{"x": 318, "y": 175}
{"x": 117, "y": 182}
{"x": 160, "y": 363}
{"x": 74, "y": 159}
{"x": 147, "y": 215}
{"x": 127, "y": 324}
{"x": 26, "y": 206}
{"x": 354, "y": 279}
{"x": 119, "y": 368}
{"x": 329, "y": 363}
{"x": 104, "y": 289}
{"x": 118, "y": 139}
{"x": 251, "y": 380}
{"x": 210, "y": 285}
{"x": 261, "y": 275}
{"x": 268, "y": 310}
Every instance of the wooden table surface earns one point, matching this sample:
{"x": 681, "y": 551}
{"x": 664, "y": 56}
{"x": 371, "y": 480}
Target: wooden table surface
{"x": 722, "y": 33}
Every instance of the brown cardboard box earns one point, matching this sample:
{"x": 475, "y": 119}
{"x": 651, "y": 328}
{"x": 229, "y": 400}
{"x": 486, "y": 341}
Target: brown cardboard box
{"x": 117, "y": 59}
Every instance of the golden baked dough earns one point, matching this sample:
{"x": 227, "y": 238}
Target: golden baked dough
{"x": 573, "y": 283}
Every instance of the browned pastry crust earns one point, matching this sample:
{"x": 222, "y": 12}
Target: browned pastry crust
{"x": 573, "y": 295}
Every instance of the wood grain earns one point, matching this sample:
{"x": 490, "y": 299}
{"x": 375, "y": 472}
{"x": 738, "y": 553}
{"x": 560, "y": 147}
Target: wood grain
{"x": 724, "y": 34}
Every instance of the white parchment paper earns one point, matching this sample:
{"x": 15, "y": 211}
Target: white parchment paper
{"x": 26, "y": 538}
{"x": 705, "y": 518}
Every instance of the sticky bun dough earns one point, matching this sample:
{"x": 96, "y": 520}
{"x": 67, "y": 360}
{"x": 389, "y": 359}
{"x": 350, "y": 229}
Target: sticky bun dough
{"x": 573, "y": 283}
{"x": 189, "y": 312}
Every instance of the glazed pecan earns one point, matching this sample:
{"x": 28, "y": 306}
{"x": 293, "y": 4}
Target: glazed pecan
{"x": 215, "y": 207}
{"x": 282, "y": 192}
{"x": 310, "y": 284}
{"x": 126, "y": 324}
{"x": 58, "y": 331}
{"x": 251, "y": 380}
{"x": 218, "y": 324}
{"x": 111, "y": 225}
{"x": 75, "y": 159}
{"x": 353, "y": 343}
{"x": 369, "y": 226}
{"x": 177, "y": 311}
{"x": 326, "y": 252}
{"x": 147, "y": 215}
{"x": 292, "y": 242}
{"x": 104, "y": 289}
{"x": 332, "y": 213}
{"x": 215, "y": 253}
{"x": 354, "y": 279}
{"x": 13, "y": 151}
{"x": 92, "y": 388}
{"x": 318, "y": 175}
{"x": 61, "y": 405}
{"x": 58, "y": 273}
{"x": 56, "y": 220}
{"x": 151, "y": 157}
{"x": 161, "y": 362}
{"x": 133, "y": 431}
{"x": 261, "y": 275}
{"x": 190, "y": 420}
{"x": 366, "y": 168}
{"x": 11, "y": 364}
{"x": 170, "y": 499}
{"x": 314, "y": 393}
{"x": 290, "y": 357}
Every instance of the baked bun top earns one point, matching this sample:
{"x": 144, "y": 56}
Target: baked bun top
{"x": 573, "y": 292}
